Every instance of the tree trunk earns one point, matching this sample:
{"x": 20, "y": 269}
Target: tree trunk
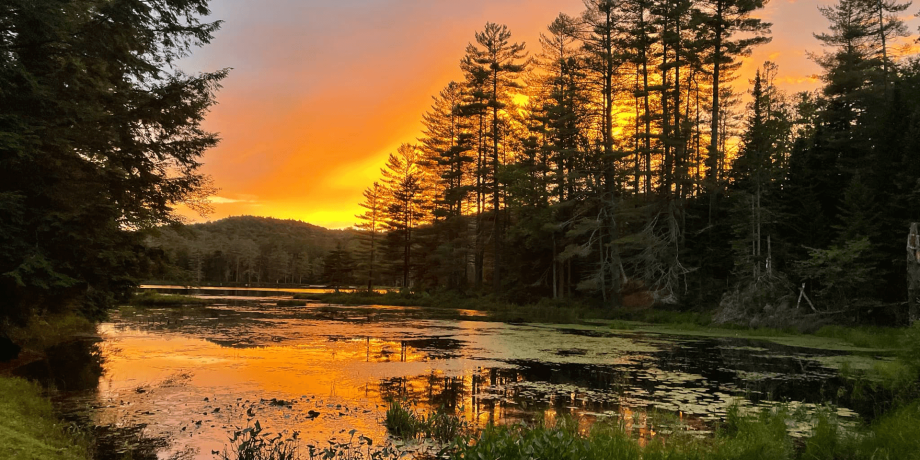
{"x": 913, "y": 273}
{"x": 881, "y": 32}
{"x": 647, "y": 114}
{"x": 712, "y": 175}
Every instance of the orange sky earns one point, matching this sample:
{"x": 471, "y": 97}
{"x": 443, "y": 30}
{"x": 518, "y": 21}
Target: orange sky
{"x": 322, "y": 91}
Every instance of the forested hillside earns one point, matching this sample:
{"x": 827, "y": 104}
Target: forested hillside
{"x": 624, "y": 162}
{"x": 247, "y": 250}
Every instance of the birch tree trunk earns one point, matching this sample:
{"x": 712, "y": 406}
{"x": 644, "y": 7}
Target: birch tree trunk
{"x": 913, "y": 273}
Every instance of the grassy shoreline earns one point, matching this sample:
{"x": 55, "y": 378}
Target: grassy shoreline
{"x": 30, "y": 430}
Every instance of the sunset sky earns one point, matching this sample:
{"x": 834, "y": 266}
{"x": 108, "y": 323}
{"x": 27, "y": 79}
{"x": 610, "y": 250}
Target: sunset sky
{"x": 321, "y": 91}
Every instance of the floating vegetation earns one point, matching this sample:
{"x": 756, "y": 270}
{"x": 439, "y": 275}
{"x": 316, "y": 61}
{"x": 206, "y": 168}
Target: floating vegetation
{"x": 253, "y": 443}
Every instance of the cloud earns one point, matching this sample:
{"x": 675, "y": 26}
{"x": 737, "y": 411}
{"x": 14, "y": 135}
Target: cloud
{"x": 224, "y": 200}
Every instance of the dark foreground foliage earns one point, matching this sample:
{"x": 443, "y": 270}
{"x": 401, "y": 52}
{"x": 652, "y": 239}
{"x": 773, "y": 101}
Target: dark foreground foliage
{"x": 100, "y": 138}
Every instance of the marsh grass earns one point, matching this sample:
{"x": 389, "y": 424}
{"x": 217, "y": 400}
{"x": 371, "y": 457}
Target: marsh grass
{"x": 29, "y": 428}
{"x": 405, "y": 423}
{"x": 402, "y": 421}
{"x": 155, "y": 299}
{"x": 764, "y": 435}
{"x": 866, "y": 336}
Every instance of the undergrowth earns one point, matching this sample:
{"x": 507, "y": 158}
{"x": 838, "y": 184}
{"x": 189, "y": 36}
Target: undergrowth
{"x": 43, "y": 332}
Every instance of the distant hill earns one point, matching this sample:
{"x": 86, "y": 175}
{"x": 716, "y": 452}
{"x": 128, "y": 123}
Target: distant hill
{"x": 247, "y": 249}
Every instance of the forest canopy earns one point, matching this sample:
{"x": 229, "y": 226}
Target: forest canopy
{"x": 622, "y": 161}
{"x": 249, "y": 250}
{"x": 100, "y": 139}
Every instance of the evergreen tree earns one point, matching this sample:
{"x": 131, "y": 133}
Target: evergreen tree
{"x": 719, "y": 24}
{"x": 100, "y": 137}
{"x": 757, "y": 174}
{"x": 371, "y": 223}
{"x": 402, "y": 181}
{"x": 338, "y": 267}
{"x": 495, "y": 63}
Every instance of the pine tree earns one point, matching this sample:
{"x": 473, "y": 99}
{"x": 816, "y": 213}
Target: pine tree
{"x": 495, "y": 63}
{"x": 602, "y": 63}
{"x": 756, "y": 176}
{"x": 100, "y": 136}
{"x": 338, "y": 267}
{"x": 371, "y": 223}
{"x": 719, "y": 23}
{"x": 404, "y": 189}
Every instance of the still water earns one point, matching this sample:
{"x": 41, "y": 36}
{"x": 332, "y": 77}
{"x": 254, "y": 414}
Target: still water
{"x": 179, "y": 380}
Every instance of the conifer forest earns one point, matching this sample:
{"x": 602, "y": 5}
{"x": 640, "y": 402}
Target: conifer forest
{"x": 621, "y": 160}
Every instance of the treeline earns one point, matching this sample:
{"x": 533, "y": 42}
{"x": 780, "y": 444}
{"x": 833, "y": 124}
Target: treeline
{"x": 617, "y": 163}
{"x": 248, "y": 250}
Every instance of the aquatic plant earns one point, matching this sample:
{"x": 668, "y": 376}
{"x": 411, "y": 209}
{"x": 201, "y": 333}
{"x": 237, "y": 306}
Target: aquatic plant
{"x": 252, "y": 443}
{"x": 403, "y": 422}
{"x": 45, "y": 331}
{"x": 360, "y": 448}
{"x": 444, "y": 427}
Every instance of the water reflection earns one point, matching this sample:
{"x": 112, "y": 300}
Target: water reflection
{"x": 180, "y": 380}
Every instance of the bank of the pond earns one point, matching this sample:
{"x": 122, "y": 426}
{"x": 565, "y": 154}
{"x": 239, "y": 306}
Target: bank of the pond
{"x": 839, "y": 338}
{"x": 155, "y": 299}
{"x": 544, "y": 311}
{"x": 828, "y": 337}
{"x": 29, "y": 428}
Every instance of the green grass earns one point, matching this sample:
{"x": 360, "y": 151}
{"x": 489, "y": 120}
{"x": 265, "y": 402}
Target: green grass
{"x": 761, "y": 436}
{"x": 865, "y": 336}
{"x": 827, "y": 337}
{"x": 155, "y": 299}
{"x": 28, "y": 428}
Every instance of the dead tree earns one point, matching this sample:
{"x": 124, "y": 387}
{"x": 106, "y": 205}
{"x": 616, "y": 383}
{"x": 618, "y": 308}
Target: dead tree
{"x": 913, "y": 272}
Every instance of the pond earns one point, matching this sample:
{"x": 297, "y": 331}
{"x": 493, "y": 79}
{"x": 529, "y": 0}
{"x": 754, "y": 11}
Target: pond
{"x": 178, "y": 381}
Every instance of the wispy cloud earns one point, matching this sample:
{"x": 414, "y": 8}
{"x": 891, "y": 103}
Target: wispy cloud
{"x": 224, "y": 200}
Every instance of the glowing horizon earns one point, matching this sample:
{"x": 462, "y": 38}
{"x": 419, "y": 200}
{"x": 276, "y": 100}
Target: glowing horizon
{"x": 321, "y": 92}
